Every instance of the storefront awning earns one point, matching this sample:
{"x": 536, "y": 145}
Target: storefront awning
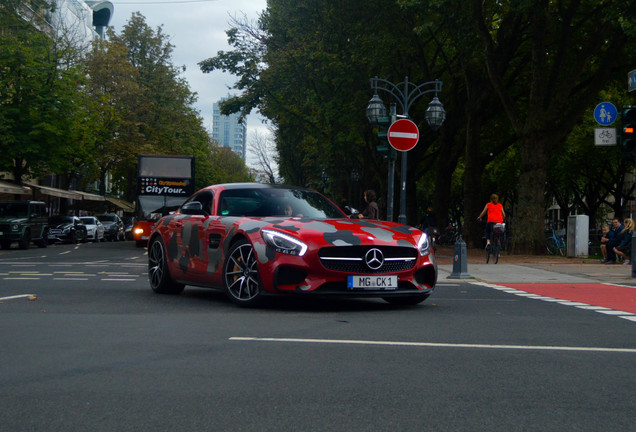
{"x": 11, "y": 188}
{"x": 124, "y": 205}
{"x": 55, "y": 192}
{"x": 89, "y": 196}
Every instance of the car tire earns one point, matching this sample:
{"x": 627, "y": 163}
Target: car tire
{"x": 158, "y": 273}
{"x": 43, "y": 242}
{"x": 25, "y": 240}
{"x": 240, "y": 275}
{"x": 406, "y": 300}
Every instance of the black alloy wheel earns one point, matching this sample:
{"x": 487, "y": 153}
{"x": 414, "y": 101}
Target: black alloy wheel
{"x": 25, "y": 240}
{"x": 43, "y": 242}
{"x": 158, "y": 273}
{"x": 240, "y": 274}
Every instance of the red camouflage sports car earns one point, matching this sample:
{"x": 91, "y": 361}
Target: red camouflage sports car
{"x": 252, "y": 240}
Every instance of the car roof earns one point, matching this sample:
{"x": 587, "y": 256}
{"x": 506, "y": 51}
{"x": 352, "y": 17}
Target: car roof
{"x": 230, "y": 186}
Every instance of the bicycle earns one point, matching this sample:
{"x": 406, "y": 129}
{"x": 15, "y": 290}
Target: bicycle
{"x": 555, "y": 244}
{"x": 494, "y": 249}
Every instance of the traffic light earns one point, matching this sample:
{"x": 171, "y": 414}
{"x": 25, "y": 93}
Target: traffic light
{"x": 628, "y": 139}
{"x": 383, "y": 127}
{"x": 383, "y": 123}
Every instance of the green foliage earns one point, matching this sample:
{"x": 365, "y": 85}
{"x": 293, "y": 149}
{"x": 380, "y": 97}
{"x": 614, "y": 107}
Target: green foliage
{"x": 39, "y": 82}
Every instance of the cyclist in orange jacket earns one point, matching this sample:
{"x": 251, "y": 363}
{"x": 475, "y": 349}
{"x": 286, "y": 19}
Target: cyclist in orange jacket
{"x": 496, "y": 214}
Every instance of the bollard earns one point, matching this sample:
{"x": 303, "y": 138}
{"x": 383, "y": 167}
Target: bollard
{"x": 632, "y": 254}
{"x": 460, "y": 261}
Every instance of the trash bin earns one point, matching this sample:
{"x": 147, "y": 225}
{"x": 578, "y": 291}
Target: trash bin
{"x": 578, "y": 236}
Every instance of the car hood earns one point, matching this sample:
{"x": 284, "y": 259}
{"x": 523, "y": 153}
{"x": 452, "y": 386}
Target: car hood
{"x": 60, "y": 226}
{"x": 345, "y": 232}
{"x": 12, "y": 219}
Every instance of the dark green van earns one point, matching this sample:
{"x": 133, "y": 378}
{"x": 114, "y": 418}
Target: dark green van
{"x": 23, "y": 222}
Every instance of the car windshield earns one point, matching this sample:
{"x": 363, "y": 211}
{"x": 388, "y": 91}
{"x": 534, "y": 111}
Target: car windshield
{"x": 88, "y": 220}
{"x": 60, "y": 219}
{"x": 107, "y": 218}
{"x": 264, "y": 202}
{"x": 14, "y": 209}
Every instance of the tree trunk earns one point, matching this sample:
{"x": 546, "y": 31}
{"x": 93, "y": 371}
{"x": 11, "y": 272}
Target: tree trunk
{"x": 528, "y": 237}
{"x": 473, "y": 200}
{"x": 444, "y": 167}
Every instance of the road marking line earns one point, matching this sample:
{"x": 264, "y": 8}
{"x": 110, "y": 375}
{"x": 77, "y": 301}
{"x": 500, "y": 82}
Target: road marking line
{"x": 614, "y": 312}
{"x": 119, "y": 280}
{"x": 594, "y": 308}
{"x": 21, "y": 278}
{"x": 435, "y": 345}
{"x": 71, "y": 279}
{"x": 16, "y": 297}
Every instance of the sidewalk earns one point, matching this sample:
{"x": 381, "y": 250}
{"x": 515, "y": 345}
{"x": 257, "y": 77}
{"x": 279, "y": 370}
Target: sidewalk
{"x": 531, "y": 268}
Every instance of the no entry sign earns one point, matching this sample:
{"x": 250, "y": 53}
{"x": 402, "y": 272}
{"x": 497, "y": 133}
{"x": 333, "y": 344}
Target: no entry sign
{"x": 403, "y": 135}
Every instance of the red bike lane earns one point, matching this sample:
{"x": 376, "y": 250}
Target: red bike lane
{"x": 616, "y": 297}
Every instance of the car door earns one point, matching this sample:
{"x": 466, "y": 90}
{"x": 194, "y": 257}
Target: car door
{"x": 190, "y": 231}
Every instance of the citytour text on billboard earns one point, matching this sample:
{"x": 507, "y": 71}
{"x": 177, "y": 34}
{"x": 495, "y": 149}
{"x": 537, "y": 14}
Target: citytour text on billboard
{"x": 165, "y": 186}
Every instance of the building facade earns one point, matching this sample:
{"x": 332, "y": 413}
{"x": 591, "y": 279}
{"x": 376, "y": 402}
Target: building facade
{"x": 229, "y": 131}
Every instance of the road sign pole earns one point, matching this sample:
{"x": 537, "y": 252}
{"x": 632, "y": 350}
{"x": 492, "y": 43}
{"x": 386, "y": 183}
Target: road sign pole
{"x": 391, "y": 173}
{"x": 402, "y": 215}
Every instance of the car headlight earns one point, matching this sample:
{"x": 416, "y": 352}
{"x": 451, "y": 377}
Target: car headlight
{"x": 424, "y": 245}
{"x": 14, "y": 227}
{"x": 284, "y": 243}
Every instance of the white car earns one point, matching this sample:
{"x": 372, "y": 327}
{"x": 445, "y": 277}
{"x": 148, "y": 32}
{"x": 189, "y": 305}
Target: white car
{"x": 94, "y": 228}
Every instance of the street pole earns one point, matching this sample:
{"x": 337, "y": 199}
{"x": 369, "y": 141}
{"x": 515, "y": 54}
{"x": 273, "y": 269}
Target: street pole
{"x": 405, "y": 96}
{"x": 392, "y": 157}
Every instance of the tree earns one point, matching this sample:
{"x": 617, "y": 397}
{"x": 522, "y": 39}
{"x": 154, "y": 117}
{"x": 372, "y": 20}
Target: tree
{"x": 155, "y": 111}
{"x": 264, "y": 150}
{"x": 111, "y": 98}
{"x": 39, "y": 79}
{"x": 306, "y": 67}
{"x": 571, "y": 49}
{"x": 228, "y": 166}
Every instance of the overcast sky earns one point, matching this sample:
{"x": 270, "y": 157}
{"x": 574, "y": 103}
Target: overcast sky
{"x": 197, "y": 31}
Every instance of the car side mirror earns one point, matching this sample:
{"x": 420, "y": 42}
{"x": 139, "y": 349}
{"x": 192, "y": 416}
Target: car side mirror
{"x": 193, "y": 208}
{"x": 351, "y": 212}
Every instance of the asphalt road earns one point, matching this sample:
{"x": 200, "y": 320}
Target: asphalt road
{"x": 86, "y": 345}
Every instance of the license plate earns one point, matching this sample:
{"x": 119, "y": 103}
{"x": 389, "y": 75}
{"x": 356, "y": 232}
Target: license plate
{"x": 372, "y": 282}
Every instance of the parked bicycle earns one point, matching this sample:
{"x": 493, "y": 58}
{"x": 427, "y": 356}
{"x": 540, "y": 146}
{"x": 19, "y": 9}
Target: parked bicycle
{"x": 555, "y": 244}
{"x": 494, "y": 248}
{"x": 449, "y": 235}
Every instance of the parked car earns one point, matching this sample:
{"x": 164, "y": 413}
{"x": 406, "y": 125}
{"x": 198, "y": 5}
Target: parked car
{"x": 113, "y": 226}
{"x": 23, "y": 222}
{"x": 129, "y": 222}
{"x": 67, "y": 229}
{"x": 239, "y": 238}
{"x": 94, "y": 228}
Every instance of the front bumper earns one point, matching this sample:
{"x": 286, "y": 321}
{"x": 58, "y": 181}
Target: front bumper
{"x": 312, "y": 274}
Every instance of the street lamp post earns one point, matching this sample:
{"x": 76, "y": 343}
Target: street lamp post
{"x": 406, "y": 93}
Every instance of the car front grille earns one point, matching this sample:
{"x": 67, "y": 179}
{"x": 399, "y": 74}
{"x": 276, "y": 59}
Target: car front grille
{"x": 351, "y": 259}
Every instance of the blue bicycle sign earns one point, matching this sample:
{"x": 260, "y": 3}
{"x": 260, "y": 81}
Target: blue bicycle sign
{"x": 605, "y": 113}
